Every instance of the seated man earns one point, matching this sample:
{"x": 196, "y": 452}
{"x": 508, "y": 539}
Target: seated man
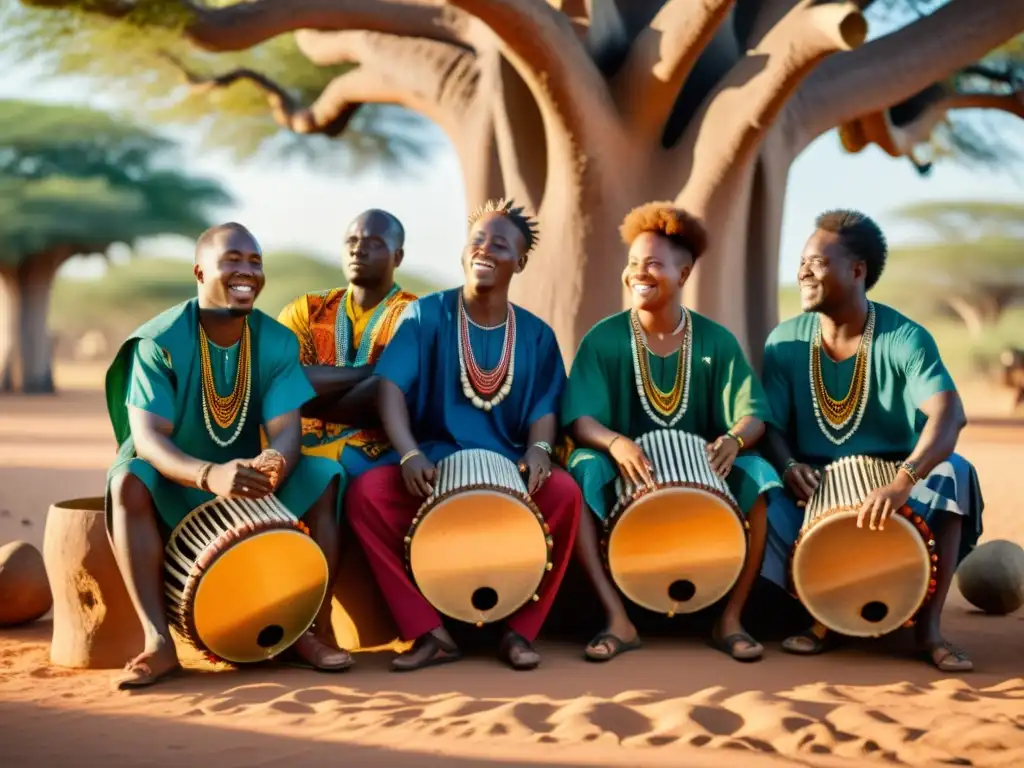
{"x": 342, "y": 333}
{"x": 466, "y": 369}
{"x": 182, "y": 442}
{"x": 628, "y": 379}
{"x": 854, "y": 377}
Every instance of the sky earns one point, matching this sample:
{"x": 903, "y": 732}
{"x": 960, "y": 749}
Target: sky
{"x": 292, "y": 206}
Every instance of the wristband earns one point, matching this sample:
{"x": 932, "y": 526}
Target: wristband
{"x": 546, "y": 447}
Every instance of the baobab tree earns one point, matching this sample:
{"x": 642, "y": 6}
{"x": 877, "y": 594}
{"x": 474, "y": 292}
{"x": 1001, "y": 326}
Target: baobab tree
{"x": 582, "y": 110}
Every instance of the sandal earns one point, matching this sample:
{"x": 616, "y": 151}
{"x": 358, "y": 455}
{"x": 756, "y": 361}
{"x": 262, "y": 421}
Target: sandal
{"x": 317, "y": 649}
{"x": 440, "y": 652}
{"x": 138, "y": 674}
{"x": 515, "y": 640}
{"x": 728, "y": 645}
{"x": 618, "y": 646}
{"x": 818, "y": 644}
{"x": 952, "y": 659}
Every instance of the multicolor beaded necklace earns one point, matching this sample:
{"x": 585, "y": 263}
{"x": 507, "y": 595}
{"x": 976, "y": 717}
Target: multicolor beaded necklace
{"x": 833, "y": 415}
{"x": 343, "y": 336}
{"x": 486, "y": 389}
{"x": 226, "y": 409}
{"x": 672, "y": 404}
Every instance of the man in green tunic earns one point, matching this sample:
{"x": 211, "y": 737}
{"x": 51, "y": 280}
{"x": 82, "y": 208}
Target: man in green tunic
{"x": 853, "y": 377}
{"x": 182, "y": 443}
{"x": 661, "y": 366}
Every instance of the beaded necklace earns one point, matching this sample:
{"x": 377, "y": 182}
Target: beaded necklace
{"x": 833, "y": 415}
{"x": 672, "y": 404}
{"x": 343, "y": 335}
{"x": 486, "y": 389}
{"x": 226, "y": 409}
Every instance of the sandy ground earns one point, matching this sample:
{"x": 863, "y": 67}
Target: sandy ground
{"x": 675, "y": 703}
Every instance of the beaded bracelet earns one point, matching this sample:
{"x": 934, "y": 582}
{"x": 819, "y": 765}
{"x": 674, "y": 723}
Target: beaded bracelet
{"x": 409, "y": 455}
{"x": 201, "y": 475}
{"x": 546, "y": 447}
{"x": 907, "y": 467}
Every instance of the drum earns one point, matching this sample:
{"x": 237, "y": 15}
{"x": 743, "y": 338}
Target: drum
{"x": 856, "y": 581}
{"x": 478, "y": 547}
{"x": 243, "y": 579}
{"x": 680, "y": 547}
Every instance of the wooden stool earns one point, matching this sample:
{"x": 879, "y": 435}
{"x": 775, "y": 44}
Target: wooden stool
{"x": 94, "y": 622}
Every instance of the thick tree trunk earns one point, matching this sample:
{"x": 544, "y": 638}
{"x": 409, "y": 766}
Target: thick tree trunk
{"x": 35, "y": 284}
{"x": 10, "y": 356}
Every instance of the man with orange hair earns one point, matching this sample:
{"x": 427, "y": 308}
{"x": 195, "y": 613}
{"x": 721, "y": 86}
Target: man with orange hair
{"x": 342, "y": 332}
{"x": 654, "y": 367}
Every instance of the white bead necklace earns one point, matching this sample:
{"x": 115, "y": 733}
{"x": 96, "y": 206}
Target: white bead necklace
{"x": 685, "y": 349}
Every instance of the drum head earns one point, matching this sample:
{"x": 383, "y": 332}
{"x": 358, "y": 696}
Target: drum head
{"x": 260, "y": 595}
{"x": 677, "y": 550}
{"x": 479, "y": 556}
{"x": 860, "y": 582}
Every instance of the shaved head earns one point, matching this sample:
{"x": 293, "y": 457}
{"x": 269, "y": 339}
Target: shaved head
{"x": 228, "y": 268}
{"x": 383, "y": 222}
{"x": 374, "y": 242}
{"x": 213, "y": 239}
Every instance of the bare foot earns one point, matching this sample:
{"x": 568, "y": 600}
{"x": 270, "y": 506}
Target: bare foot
{"x": 157, "y": 661}
{"x": 429, "y": 649}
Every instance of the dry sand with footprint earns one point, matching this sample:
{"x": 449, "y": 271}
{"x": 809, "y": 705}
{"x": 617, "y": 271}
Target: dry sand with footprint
{"x": 675, "y": 703}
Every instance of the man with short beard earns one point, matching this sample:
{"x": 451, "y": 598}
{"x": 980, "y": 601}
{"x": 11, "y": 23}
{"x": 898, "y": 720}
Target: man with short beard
{"x": 661, "y": 366}
{"x": 189, "y": 394}
{"x": 852, "y": 377}
{"x": 341, "y": 333}
{"x": 467, "y": 369}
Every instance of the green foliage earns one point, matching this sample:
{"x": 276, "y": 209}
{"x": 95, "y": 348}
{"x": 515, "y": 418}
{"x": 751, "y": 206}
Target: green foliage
{"x": 130, "y": 293}
{"x": 78, "y": 179}
{"x": 967, "y": 220}
{"x": 123, "y": 60}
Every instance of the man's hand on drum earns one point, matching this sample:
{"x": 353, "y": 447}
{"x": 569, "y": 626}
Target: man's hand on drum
{"x": 801, "y": 480}
{"x": 271, "y": 463}
{"x": 632, "y": 461}
{"x": 880, "y": 504}
{"x": 237, "y": 479}
{"x": 722, "y": 453}
{"x": 418, "y": 474}
{"x": 537, "y": 465}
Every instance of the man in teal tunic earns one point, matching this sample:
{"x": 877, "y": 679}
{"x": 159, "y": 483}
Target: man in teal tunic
{"x": 853, "y": 377}
{"x": 661, "y": 366}
{"x": 181, "y": 442}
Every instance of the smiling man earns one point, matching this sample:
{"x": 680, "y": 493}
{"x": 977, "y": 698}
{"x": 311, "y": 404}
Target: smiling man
{"x": 662, "y": 366}
{"x": 189, "y": 394}
{"x": 854, "y": 377}
{"x": 341, "y": 333}
{"x": 467, "y": 369}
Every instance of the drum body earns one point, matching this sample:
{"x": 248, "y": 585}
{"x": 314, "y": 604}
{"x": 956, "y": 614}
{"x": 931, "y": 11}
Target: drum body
{"x": 478, "y": 547}
{"x": 856, "y": 581}
{"x": 243, "y": 579}
{"x": 679, "y": 548}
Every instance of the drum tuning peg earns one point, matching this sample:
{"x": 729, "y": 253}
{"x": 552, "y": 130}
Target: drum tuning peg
{"x": 671, "y": 614}
{"x": 547, "y": 528}
{"x": 479, "y": 624}
{"x": 408, "y": 539}
{"x": 931, "y": 542}
{"x": 548, "y": 566}
{"x": 535, "y": 597}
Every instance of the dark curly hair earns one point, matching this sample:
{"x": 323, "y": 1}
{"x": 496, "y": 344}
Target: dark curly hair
{"x": 860, "y": 236}
{"x": 681, "y": 228}
{"x": 526, "y": 224}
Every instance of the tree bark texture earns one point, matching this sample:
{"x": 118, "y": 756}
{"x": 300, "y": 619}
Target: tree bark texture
{"x": 584, "y": 110}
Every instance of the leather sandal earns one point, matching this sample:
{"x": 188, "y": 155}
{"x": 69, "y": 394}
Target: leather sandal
{"x": 440, "y": 652}
{"x": 618, "y": 646}
{"x": 950, "y": 658}
{"x": 513, "y": 640}
{"x": 729, "y": 643}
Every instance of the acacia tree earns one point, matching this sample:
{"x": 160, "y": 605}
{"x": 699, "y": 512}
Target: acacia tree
{"x": 583, "y": 110}
{"x": 75, "y": 181}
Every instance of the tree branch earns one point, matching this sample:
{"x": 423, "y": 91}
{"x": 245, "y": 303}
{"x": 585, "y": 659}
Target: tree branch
{"x": 661, "y": 58}
{"x": 540, "y": 42}
{"x": 749, "y": 98}
{"x": 243, "y": 25}
{"x": 893, "y": 68}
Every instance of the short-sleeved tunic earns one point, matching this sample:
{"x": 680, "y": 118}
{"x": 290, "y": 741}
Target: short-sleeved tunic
{"x": 723, "y": 389}
{"x": 158, "y": 370}
{"x": 422, "y": 360}
{"x": 906, "y": 369}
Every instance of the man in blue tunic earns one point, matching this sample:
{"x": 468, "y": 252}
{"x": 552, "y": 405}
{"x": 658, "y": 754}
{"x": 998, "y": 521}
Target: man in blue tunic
{"x": 467, "y": 369}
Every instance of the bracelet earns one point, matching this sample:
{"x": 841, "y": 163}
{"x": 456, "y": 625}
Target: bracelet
{"x": 737, "y": 438}
{"x": 546, "y": 447}
{"x": 608, "y": 447}
{"x": 789, "y": 465}
{"x": 907, "y": 467}
{"x": 201, "y": 475}
{"x": 409, "y": 455}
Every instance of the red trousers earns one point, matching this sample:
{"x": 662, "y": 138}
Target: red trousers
{"x": 380, "y": 510}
